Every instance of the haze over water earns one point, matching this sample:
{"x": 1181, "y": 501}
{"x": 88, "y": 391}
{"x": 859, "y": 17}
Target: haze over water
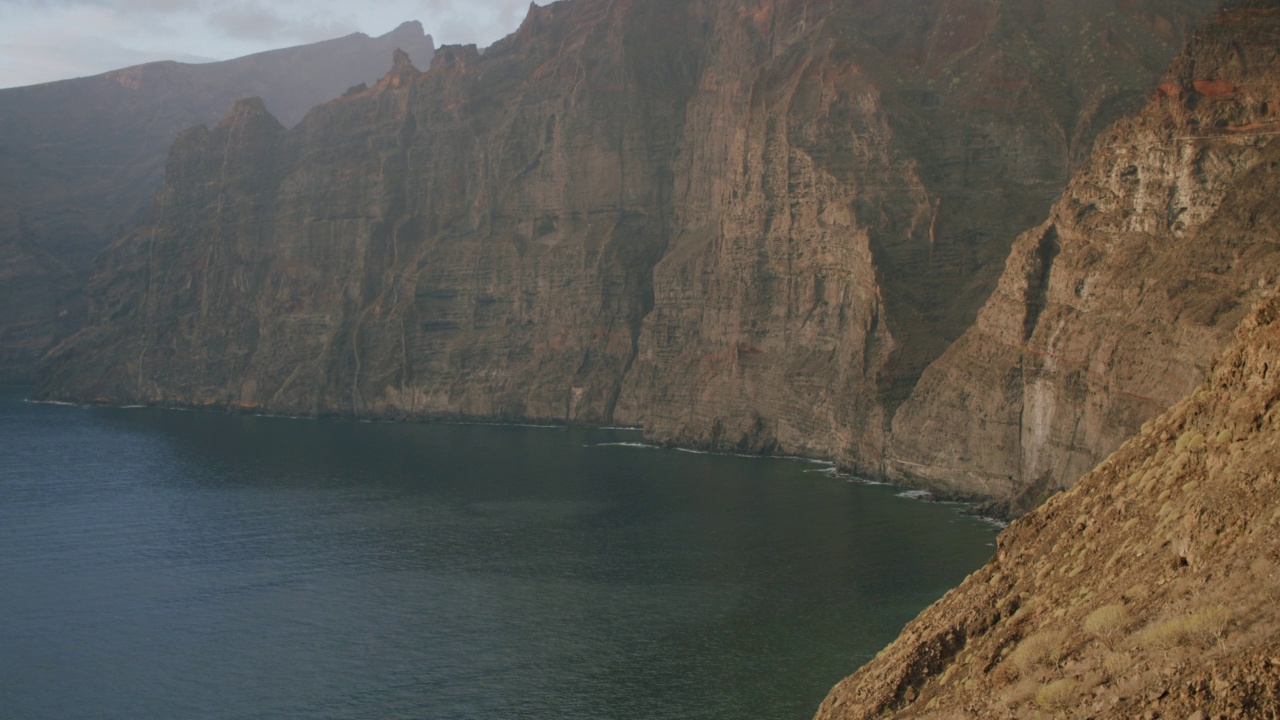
{"x": 163, "y": 564}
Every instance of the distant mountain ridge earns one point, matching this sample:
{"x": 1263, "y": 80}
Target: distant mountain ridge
{"x": 81, "y": 159}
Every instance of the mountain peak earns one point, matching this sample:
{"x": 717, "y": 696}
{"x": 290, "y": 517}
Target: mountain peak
{"x": 402, "y": 71}
{"x": 244, "y": 109}
{"x": 409, "y": 26}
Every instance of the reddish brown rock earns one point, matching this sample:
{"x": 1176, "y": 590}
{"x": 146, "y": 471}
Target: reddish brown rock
{"x": 1109, "y": 311}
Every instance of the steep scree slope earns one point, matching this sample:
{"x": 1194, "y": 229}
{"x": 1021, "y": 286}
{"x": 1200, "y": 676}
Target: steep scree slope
{"x": 1149, "y": 589}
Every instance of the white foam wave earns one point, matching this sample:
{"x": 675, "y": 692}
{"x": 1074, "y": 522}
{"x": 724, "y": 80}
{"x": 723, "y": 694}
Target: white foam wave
{"x": 916, "y": 495}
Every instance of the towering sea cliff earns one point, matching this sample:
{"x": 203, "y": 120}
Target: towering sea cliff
{"x": 81, "y": 159}
{"x": 1109, "y": 311}
{"x": 742, "y": 225}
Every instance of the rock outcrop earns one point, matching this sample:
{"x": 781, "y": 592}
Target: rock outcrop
{"x": 80, "y": 161}
{"x": 1109, "y": 311}
{"x": 741, "y": 225}
{"x": 1149, "y": 589}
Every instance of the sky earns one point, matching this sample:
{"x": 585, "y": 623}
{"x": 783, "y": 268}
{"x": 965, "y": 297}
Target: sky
{"x": 44, "y": 40}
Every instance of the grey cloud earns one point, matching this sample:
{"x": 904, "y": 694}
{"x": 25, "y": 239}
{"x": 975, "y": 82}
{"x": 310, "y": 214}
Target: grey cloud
{"x": 253, "y": 21}
{"x": 463, "y": 21}
{"x": 160, "y": 6}
{"x": 28, "y": 63}
{"x": 249, "y": 21}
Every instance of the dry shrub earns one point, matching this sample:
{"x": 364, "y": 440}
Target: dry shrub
{"x": 1043, "y": 648}
{"x": 1209, "y": 625}
{"x": 1190, "y": 441}
{"x": 1198, "y": 629}
{"x": 1058, "y": 695}
{"x": 1107, "y": 622}
{"x": 1117, "y": 664}
{"x": 1021, "y": 692}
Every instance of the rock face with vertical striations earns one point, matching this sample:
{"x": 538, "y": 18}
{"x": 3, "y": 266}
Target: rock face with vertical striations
{"x": 81, "y": 159}
{"x": 742, "y": 225}
{"x": 1109, "y": 311}
{"x": 850, "y": 198}
{"x": 470, "y": 241}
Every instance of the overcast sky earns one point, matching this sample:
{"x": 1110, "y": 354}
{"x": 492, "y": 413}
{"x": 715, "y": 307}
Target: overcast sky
{"x": 43, "y": 40}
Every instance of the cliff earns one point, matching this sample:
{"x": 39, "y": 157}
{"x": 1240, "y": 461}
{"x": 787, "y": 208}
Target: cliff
{"x": 744, "y": 226}
{"x": 463, "y": 241}
{"x": 1147, "y": 590}
{"x": 851, "y": 197}
{"x": 80, "y": 161}
{"x": 1109, "y": 311}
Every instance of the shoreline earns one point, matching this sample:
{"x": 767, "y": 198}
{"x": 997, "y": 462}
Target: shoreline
{"x": 970, "y": 506}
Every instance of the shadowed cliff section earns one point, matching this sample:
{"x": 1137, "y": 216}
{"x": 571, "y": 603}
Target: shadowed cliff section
{"x": 81, "y": 159}
{"x": 745, "y": 226}
{"x": 1110, "y": 310}
{"x": 470, "y": 241}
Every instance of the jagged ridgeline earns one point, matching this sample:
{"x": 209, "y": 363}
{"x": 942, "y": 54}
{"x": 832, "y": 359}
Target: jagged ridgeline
{"x": 81, "y": 159}
{"x": 743, "y": 225}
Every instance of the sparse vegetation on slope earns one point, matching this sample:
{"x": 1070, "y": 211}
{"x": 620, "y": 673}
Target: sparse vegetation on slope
{"x": 1148, "y": 590}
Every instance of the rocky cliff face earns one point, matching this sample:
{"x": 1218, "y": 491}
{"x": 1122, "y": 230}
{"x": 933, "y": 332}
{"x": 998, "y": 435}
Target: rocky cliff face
{"x": 1109, "y": 311}
{"x": 1147, "y": 590}
{"x": 81, "y": 159}
{"x": 470, "y": 241}
{"x": 847, "y": 202}
{"x": 744, "y": 226}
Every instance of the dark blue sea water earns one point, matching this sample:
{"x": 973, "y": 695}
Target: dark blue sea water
{"x": 164, "y": 564}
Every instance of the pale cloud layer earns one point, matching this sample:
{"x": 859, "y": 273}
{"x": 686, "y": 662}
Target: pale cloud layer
{"x": 44, "y": 40}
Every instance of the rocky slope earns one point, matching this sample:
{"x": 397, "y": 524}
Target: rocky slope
{"x": 745, "y": 225}
{"x": 81, "y": 159}
{"x": 1109, "y": 311}
{"x": 1147, "y": 590}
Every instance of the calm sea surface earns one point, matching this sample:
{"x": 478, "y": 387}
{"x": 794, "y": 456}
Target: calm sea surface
{"x": 163, "y": 564}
